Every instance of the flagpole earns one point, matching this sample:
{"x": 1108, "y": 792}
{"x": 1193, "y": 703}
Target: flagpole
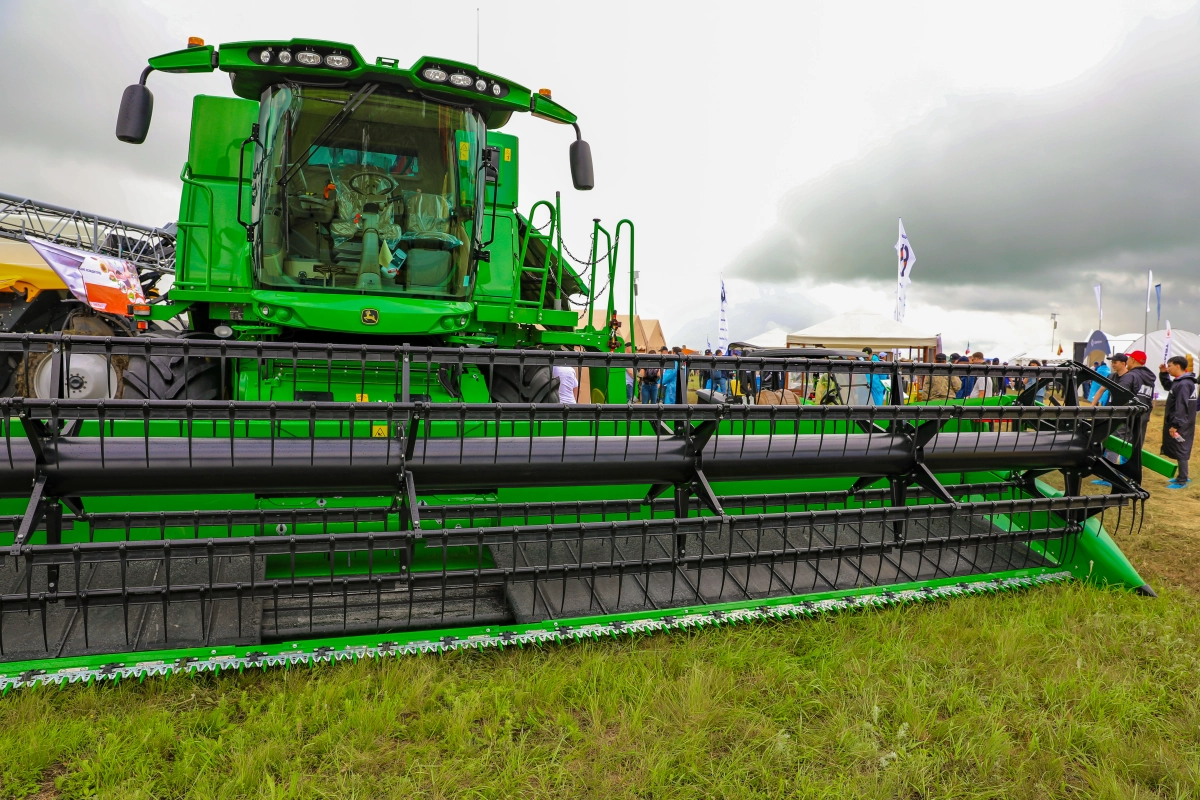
{"x": 1146, "y": 319}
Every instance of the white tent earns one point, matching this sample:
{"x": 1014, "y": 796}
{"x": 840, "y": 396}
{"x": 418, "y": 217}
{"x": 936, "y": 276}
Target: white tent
{"x": 857, "y": 330}
{"x": 774, "y": 338}
{"x": 1123, "y": 342}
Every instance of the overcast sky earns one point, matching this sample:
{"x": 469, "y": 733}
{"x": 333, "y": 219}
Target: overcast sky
{"x": 1033, "y": 149}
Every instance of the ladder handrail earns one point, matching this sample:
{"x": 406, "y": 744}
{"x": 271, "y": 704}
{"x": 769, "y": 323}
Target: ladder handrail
{"x": 519, "y": 267}
{"x": 185, "y": 175}
{"x": 597, "y": 229}
{"x": 612, "y": 281}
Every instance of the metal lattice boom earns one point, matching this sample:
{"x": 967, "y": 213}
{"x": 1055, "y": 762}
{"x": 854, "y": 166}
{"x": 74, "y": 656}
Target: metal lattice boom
{"x": 151, "y": 249}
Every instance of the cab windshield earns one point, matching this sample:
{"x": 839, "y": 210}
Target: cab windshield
{"x": 359, "y": 191}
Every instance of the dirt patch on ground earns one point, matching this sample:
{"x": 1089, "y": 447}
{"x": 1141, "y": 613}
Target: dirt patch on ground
{"x": 47, "y": 789}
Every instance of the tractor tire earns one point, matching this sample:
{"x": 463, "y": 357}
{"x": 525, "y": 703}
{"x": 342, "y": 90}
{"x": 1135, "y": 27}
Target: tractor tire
{"x": 511, "y": 383}
{"x": 167, "y": 378}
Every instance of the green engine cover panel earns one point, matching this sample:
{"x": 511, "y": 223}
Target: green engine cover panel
{"x": 213, "y": 252}
{"x": 219, "y": 126}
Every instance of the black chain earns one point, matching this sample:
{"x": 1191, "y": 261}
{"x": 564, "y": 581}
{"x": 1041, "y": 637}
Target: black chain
{"x": 584, "y": 263}
{"x": 587, "y": 263}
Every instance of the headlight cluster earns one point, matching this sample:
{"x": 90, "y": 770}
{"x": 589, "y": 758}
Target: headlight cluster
{"x": 308, "y": 57}
{"x": 461, "y": 80}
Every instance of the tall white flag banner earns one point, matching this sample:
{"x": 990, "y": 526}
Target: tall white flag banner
{"x": 1149, "y": 288}
{"x": 1167, "y": 344}
{"x": 1099, "y": 306}
{"x": 905, "y": 259}
{"x": 723, "y": 329}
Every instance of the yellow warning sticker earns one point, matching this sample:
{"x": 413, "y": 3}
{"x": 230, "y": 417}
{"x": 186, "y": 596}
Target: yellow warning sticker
{"x": 508, "y": 154}
{"x": 464, "y": 151}
{"x": 362, "y": 398}
{"x": 379, "y": 431}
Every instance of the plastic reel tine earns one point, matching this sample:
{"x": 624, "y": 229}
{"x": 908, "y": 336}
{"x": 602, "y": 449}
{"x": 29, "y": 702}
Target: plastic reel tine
{"x": 332, "y": 557}
{"x": 148, "y": 343}
{"x": 378, "y": 601}
{"x": 125, "y": 609}
{"x": 498, "y": 411}
{"x": 42, "y": 609}
{"x": 310, "y": 605}
{"x": 475, "y": 575}
{"x": 758, "y": 541}
{"x": 329, "y": 368}
{"x": 620, "y": 565}
{"x": 442, "y": 612}
{"x": 644, "y": 558}
{"x": 345, "y": 603}
{"x": 461, "y": 427}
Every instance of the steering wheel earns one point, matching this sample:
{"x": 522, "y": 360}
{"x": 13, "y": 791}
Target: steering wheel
{"x": 382, "y": 183}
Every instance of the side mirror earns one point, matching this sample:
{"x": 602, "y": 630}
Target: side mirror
{"x": 581, "y": 165}
{"x": 133, "y": 120}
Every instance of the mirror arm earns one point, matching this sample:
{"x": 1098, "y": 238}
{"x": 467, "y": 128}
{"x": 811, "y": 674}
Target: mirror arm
{"x": 145, "y": 74}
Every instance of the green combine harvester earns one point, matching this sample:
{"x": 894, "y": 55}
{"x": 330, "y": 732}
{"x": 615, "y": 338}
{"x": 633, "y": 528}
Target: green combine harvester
{"x": 338, "y": 435}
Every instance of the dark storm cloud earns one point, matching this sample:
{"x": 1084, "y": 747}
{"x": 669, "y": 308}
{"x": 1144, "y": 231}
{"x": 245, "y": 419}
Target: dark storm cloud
{"x": 1005, "y": 196}
{"x": 66, "y": 65}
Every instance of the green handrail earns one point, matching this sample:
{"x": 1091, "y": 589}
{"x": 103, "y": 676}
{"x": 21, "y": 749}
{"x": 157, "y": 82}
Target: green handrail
{"x": 632, "y": 282}
{"x": 185, "y": 176}
{"x": 597, "y": 229}
{"x": 558, "y": 290}
{"x": 519, "y": 267}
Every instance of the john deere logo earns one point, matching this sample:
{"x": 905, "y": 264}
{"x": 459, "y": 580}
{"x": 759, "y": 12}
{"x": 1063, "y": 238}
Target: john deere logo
{"x": 370, "y": 316}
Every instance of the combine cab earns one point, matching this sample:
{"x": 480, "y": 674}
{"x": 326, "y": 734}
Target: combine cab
{"x": 350, "y": 442}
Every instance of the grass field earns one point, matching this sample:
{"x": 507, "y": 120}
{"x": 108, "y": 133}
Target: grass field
{"x": 1060, "y": 692}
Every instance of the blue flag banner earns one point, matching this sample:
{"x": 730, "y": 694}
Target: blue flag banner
{"x": 723, "y": 329}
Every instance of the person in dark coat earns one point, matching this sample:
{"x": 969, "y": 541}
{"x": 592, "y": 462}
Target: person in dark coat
{"x": 1141, "y": 383}
{"x": 1130, "y": 373}
{"x": 1179, "y": 421}
{"x": 967, "y": 382}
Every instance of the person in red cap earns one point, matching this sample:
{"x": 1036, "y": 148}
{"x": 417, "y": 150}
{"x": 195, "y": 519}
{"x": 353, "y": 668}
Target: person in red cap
{"x": 1140, "y": 380}
{"x": 1129, "y": 371}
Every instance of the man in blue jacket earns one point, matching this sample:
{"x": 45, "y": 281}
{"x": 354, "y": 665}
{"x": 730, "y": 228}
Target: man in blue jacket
{"x": 875, "y": 381}
{"x": 968, "y": 381}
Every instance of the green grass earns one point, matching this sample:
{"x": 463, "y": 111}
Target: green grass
{"x": 1059, "y": 692}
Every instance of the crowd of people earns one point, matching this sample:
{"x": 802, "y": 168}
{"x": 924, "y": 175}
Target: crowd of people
{"x": 1177, "y": 377}
{"x": 661, "y": 383}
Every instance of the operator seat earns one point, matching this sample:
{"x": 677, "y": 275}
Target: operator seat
{"x": 366, "y": 204}
{"x": 430, "y": 264}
